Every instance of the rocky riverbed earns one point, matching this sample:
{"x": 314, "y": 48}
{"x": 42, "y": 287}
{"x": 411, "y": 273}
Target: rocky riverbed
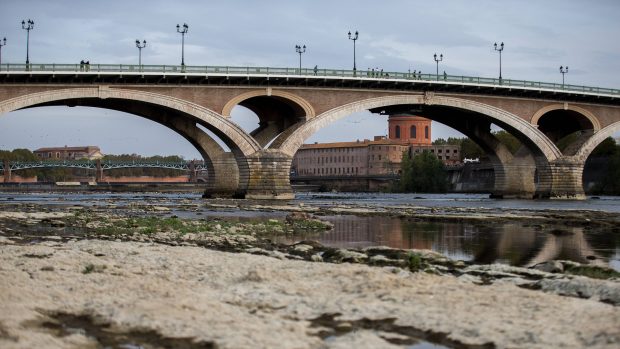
{"x": 140, "y": 275}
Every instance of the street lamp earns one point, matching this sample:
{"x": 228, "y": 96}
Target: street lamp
{"x": 500, "y": 49}
{"x": 354, "y": 38}
{"x": 437, "y": 61}
{"x": 28, "y": 26}
{"x": 563, "y": 70}
{"x": 2, "y": 43}
{"x": 182, "y": 31}
{"x": 300, "y": 50}
{"x": 140, "y": 47}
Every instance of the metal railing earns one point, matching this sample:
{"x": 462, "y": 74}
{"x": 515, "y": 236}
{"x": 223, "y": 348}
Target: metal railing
{"x": 305, "y": 72}
{"x": 106, "y": 165}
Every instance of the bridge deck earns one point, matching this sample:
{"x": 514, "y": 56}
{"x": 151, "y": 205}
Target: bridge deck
{"x": 19, "y": 165}
{"x": 266, "y": 76}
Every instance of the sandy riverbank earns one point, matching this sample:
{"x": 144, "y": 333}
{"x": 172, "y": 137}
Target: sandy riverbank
{"x": 236, "y": 300}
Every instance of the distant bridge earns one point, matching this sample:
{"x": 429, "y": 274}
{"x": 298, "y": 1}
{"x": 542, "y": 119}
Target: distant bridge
{"x": 7, "y": 167}
{"x": 292, "y": 104}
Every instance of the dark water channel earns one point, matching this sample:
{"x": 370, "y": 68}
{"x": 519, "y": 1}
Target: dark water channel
{"x": 518, "y": 244}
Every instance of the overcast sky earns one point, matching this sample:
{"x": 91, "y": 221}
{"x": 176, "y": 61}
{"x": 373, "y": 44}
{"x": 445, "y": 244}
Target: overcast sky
{"x": 395, "y": 35}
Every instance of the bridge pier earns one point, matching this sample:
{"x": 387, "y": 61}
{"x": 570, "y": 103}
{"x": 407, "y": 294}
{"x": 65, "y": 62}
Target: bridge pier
{"x": 515, "y": 177}
{"x": 98, "y": 171}
{"x": 7, "y": 171}
{"x": 269, "y": 175}
{"x": 223, "y": 179}
{"x": 564, "y": 179}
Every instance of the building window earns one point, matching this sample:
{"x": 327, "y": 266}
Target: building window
{"x": 397, "y": 131}
{"x": 413, "y": 132}
{"x": 426, "y": 132}
{"x": 379, "y": 157}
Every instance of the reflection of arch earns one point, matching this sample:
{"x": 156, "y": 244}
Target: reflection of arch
{"x": 291, "y": 98}
{"x": 501, "y": 117}
{"x": 597, "y": 138}
{"x": 221, "y": 126}
{"x": 587, "y": 114}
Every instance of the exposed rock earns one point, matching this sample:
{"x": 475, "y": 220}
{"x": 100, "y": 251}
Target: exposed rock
{"x": 344, "y": 255}
{"x": 502, "y": 270}
{"x": 550, "y": 267}
{"x": 583, "y": 287}
{"x": 302, "y": 248}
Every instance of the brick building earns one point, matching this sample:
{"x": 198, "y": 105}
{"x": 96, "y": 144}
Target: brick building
{"x": 380, "y": 157}
{"x": 69, "y": 153}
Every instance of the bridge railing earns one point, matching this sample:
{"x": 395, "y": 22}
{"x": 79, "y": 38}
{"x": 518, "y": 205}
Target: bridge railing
{"x": 106, "y": 165}
{"x": 306, "y": 72}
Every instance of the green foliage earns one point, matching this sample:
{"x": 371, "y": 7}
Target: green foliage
{"x": 414, "y": 262}
{"x": 471, "y": 150}
{"x": 424, "y": 173}
{"x": 606, "y": 148}
{"x": 593, "y": 271}
{"x": 510, "y": 141}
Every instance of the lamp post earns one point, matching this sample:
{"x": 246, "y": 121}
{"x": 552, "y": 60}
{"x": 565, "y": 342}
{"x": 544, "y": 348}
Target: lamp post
{"x": 300, "y": 50}
{"x": 437, "y": 61}
{"x": 500, "y": 49}
{"x": 563, "y": 70}
{"x": 2, "y": 43}
{"x": 140, "y": 47}
{"x": 354, "y": 38}
{"x": 28, "y": 26}
{"x": 182, "y": 31}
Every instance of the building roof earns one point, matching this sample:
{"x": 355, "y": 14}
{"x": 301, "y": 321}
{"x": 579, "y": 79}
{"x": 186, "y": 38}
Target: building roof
{"x": 356, "y": 144}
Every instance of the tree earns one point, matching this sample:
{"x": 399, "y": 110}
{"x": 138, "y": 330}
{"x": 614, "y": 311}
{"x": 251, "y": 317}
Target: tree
{"x": 424, "y": 173}
{"x": 510, "y": 141}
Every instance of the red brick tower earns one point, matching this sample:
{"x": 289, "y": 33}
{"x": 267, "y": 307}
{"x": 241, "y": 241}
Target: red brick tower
{"x": 410, "y": 129}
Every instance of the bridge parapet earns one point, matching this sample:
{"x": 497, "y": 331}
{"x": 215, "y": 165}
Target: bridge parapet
{"x": 106, "y": 165}
{"x": 143, "y": 71}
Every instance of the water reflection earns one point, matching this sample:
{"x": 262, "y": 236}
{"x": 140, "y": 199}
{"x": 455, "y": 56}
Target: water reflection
{"x": 508, "y": 243}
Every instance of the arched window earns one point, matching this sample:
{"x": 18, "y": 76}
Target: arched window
{"x": 397, "y": 131}
{"x": 426, "y": 132}
{"x": 413, "y": 132}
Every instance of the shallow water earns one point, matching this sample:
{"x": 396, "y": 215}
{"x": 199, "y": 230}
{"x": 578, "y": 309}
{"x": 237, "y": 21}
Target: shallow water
{"x": 516, "y": 243}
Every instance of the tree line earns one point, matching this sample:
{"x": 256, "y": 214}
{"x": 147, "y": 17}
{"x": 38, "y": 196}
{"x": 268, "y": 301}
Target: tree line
{"x": 426, "y": 173}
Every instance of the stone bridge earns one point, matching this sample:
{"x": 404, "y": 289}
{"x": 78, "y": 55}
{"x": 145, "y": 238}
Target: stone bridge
{"x": 293, "y": 104}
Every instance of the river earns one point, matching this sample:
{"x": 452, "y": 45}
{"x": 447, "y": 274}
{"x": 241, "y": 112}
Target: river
{"x": 519, "y": 243}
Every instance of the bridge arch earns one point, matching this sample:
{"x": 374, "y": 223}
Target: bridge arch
{"x": 596, "y": 125}
{"x": 276, "y": 110}
{"x": 525, "y": 131}
{"x": 588, "y": 147}
{"x": 224, "y": 128}
{"x": 174, "y": 111}
{"x": 299, "y": 104}
{"x": 568, "y": 126}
